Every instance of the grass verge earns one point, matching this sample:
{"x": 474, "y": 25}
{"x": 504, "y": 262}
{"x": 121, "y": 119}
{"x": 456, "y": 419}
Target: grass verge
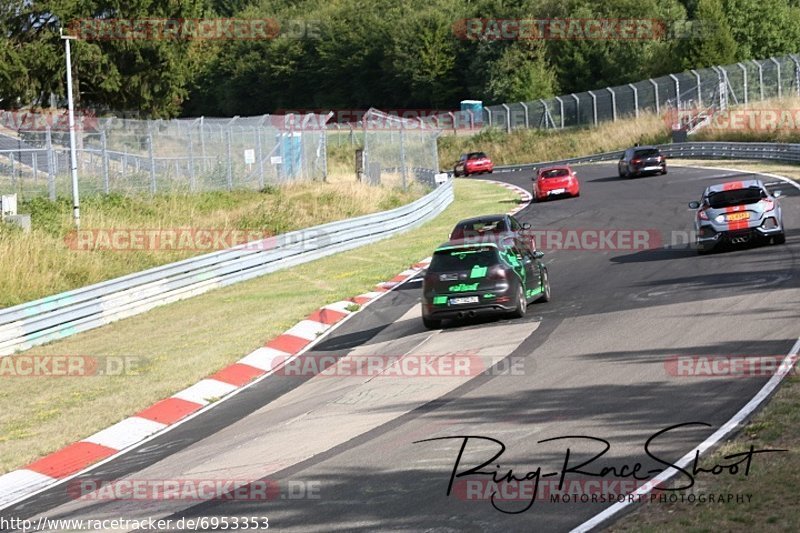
{"x": 41, "y": 263}
{"x": 783, "y": 169}
{"x": 772, "y": 482}
{"x": 181, "y": 343}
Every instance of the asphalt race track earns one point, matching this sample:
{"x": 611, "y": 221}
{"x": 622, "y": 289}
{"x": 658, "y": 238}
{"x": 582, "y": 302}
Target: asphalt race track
{"x": 597, "y": 361}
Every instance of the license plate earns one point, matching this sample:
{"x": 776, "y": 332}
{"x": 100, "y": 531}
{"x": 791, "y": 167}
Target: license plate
{"x": 464, "y": 300}
{"x": 739, "y": 216}
{"x": 652, "y": 168}
{"x": 558, "y": 191}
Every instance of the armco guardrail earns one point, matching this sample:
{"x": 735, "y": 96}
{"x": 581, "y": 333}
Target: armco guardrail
{"x": 71, "y": 312}
{"x": 784, "y": 152}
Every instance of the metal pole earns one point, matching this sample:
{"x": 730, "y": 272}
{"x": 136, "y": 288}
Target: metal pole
{"x": 594, "y": 106}
{"x": 76, "y": 204}
{"x": 744, "y": 78}
{"x": 192, "y": 179}
{"x": 203, "y": 143}
{"x": 527, "y": 120}
{"x": 635, "y": 99}
{"x": 699, "y": 92}
{"x": 561, "y": 110}
{"x": 51, "y": 179}
{"x": 577, "y": 109}
{"x": 260, "y": 157}
{"x": 760, "y": 79}
{"x": 778, "y": 66}
{"x": 230, "y": 160}
{"x": 796, "y": 73}
{"x": 106, "y": 185}
{"x": 403, "y": 157}
{"x": 152, "y": 158}
{"x": 613, "y": 104}
{"x": 655, "y": 90}
{"x": 508, "y": 118}
{"x": 677, "y": 91}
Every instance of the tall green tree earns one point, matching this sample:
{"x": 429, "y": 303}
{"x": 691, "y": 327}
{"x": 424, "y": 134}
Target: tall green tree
{"x": 711, "y": 43}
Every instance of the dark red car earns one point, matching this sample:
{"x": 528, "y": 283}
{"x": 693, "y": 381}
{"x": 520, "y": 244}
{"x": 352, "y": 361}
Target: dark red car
{"x": 473, "y": 163}
{"x": 555, "y": 181}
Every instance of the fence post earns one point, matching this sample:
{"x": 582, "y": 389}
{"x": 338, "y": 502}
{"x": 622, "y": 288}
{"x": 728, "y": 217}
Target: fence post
{"x": 508, "y": 118}
{"x": 51, "y": 178}
{"x": 796, "y": 73}
{"x": 677, "y": 90}
{"x": 655, "y": 90}
{"x": 192, "y": 179}
{"x": 778, "y": 66}
{"x": 744, "y": 78}
{"x": 104, "y": 148}
{"x": 403, "y": 156}
{"x": 577, "y": 109}
{"x": 613, "y": 104}
{"x": 635, "y": 99}
{"x": 150, "y": 154}
{"x": 489, "y": 116}
{"x": 527, "y": 119}
{"x": 34, "y": 163}
{"x": 699, "y": 91}
{"x": 13, "y": 171}
{"x": 760, "y": 79}
{"x": 230, "y": 158}
{"x": 203, "y": 143}
{"x": 260, "y": 157}
{"x": 594, "y": 106}
{"x": 561, "y": 110}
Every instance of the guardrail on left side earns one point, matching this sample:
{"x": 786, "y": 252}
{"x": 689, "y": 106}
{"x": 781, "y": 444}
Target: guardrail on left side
{"x": 48, "y": 319}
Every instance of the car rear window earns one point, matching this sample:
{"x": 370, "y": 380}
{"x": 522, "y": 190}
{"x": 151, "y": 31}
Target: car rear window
{"x": 555, "y": 173}
{"x": 463, "y": 259}
{"x": 477, "y": 229}
{"x": 476, "y": 155}
{"x": 649, "y": 152}
{"x": 749, "y": 195}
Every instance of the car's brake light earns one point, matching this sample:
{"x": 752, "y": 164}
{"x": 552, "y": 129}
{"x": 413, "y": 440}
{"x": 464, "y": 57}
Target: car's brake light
{"x": 702, "y": 215}
{"x": 496, "y": 272}
{"x": 636, "y": 161}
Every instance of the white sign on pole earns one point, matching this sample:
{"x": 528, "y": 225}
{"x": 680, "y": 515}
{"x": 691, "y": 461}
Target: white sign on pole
{"x": 249, "y": 156}
{"x": 276, "y": 160}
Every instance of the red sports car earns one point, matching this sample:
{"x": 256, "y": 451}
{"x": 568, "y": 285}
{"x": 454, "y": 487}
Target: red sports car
{"x": 473, "y": 163}
{"x": 555, "y": 181}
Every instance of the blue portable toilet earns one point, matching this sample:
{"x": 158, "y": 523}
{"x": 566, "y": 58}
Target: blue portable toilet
{"x": 291, "y": 153}
{"x": 476, "y": 106}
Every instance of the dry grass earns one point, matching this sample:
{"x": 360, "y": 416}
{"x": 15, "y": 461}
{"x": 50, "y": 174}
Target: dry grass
{"x": 782, "y": 169}
{"x": 41, "y": 263}
{"x": 527, "y": 146}
{"x": 787, "y": 129}
{"x": 183, "y": 342}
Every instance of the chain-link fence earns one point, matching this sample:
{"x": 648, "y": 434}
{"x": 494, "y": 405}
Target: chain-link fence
{"x": 399, "y": 150}
{"x": 739, "y": 83}
{"x": 152, "y": 156}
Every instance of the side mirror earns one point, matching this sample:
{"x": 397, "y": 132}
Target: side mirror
{"x": 694, "y": 205}
{"x": 526, "y": 225}
{"x": 538, "y": 254}
{"x": 777, "y": 194}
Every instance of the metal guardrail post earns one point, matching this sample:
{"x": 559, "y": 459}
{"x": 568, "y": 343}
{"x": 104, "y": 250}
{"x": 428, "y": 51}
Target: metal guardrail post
{"x": 613, "y": 104}
{"x": 778, "y": 66}
{"x": 744, "y": 80}
{"x": 508, "y": 118}
{"x": 655, "y": 90}
{"x": 561, "y": 110}
{"x": 104, "y": 151}
{"x": 594, "y": 106}
{"x": 635, "y": 99}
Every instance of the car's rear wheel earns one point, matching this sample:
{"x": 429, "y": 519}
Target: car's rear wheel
{"x": 545, "y": 297}
{"x": 522, "y": 304}
{"x": 664, "y": 171}
{"x": 779, "y": 239}
{"x": 430, "y": 323}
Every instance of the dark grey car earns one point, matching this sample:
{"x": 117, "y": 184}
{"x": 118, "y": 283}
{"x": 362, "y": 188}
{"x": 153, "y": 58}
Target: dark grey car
{"x": 641, "y": 160}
